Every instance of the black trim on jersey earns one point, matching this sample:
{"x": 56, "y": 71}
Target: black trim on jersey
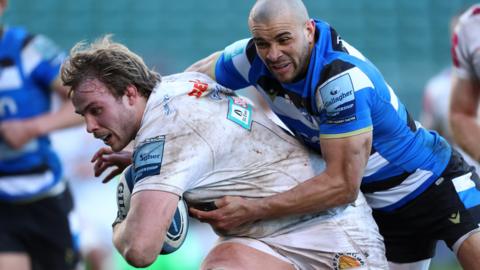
{"x": 36, "y": 170}
{"x": 251, "y": 51}
{"x": 337, "y": 44}
{"x": 27, "y": 40}
{"x": 274, "y": 88}
{"x": 411, "y": 123}
{"x": 384, "y": 184}
{"x": 332, "y": 69}
{"x": 6, "y": 62}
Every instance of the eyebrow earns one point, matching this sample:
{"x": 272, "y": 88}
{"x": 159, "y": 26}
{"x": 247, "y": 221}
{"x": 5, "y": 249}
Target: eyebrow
{"x": 276, "y": 37}
{"x": 82, "y": 112}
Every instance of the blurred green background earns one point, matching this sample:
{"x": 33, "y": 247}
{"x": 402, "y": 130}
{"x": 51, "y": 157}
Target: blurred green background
{"x": 407, "y": 40}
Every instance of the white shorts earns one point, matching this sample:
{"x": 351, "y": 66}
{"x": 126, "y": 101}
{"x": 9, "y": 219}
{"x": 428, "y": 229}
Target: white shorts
{"x": 347, "y": 240}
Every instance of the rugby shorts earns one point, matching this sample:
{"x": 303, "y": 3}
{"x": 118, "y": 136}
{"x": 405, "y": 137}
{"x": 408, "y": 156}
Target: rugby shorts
{"x": 448, "y": 210}
{"x": 42, "y": 230}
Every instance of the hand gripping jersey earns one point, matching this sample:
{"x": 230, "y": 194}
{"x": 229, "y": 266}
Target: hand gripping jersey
{"x": 466, "y": 44}
{"x": 28, "y": 65}
{"x": 199, "y": 141}
{"x": 343, "y": 94}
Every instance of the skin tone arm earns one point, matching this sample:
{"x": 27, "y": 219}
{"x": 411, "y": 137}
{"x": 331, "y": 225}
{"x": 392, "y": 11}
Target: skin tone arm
{"x": 339, "y": 184}
{"x": 463, "y": 115}
{"x": 139, "y": 238}
{"x": 16, "y": 133}
{"x": 206, "y": 65}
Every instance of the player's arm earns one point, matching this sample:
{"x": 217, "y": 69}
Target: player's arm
{"x": 16, "y": 133}
{"x": 139, "y": 238}
{"x": 206, "y": 65}
{"x": 464, "y": 106}
{"x": 339, "y": 184}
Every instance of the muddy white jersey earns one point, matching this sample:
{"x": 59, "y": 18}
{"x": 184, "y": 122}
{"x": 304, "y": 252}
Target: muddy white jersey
{"x": 199, "y": 141}
{"x": 466, "y": 44}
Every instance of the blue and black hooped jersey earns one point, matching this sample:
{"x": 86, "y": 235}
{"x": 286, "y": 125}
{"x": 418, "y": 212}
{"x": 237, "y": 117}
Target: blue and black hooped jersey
{"x": 28, "y": 66}
{"x": 344, "y": 94}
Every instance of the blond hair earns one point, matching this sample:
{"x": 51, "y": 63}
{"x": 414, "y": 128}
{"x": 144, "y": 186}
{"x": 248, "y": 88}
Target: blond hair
{"x": 111, "y": 63}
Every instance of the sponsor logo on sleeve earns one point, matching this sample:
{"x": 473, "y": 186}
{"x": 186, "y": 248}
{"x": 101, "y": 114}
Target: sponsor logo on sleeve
{"x": 337, "y": 100}
{"x": 148, "y": 156}
{"x": 240, "y": 112}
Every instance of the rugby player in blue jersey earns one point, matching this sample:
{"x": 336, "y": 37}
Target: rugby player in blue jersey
{"x": 336, "y": 101}
{"x": 34, "y": 201}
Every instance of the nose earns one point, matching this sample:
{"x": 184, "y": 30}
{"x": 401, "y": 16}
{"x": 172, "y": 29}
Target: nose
{"x": 274, "y": 53}
{"x": 91, "y": 123}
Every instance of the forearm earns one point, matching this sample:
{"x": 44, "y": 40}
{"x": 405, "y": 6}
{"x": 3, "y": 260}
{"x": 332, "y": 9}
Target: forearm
{"x": 317, "y": 194}
{"x": 466, "y": 133}
{"x": 206, "y": 65}
{"x": 63, "y": 118}
{"x": 130, "y": 245}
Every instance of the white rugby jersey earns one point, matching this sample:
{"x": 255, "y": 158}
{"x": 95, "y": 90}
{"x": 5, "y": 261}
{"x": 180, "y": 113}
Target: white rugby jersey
{"x": 199, "y": 141}
{"x": 466, "y": 44}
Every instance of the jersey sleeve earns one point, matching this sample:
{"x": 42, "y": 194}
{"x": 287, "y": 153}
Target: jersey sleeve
{"x": 466, "y": 44}
{"x": 233, "y": 66}
{"x": 343, "y": 104}
{"x": 42, "y": 59}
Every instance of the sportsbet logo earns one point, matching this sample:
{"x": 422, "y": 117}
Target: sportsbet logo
{"x": 198, "y": 88}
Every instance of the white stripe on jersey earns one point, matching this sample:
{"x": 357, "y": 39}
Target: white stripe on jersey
{"x": 353, "y": 51}
{"x": 10, "y": 78}
{"x": 463, "y": 182}
{"x": 26, "y": 184}
{"x": 30, "y": 58}
{"x": 375, "y": 163}
{"x": 385, "y": 198}
{"x": 242, "y": 64}
{"x": 393, "y": 98}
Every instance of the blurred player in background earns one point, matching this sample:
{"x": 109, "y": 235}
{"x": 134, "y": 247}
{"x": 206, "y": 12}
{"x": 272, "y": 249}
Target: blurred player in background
{"x": 337, "y": 102}
{"x": 95, "y": 231}
{"x": 436, "y": 104}
{"x": 193, "y": 138}
{"x": 465, "y": 96}
{"x": 35, "y": 203}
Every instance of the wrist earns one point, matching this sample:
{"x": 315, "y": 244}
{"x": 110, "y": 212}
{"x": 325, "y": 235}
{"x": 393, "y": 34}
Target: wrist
{"x": 34, "y": 128}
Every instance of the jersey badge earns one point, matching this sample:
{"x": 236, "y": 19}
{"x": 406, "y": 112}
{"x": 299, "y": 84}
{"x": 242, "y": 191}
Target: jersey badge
{"x": 240, "y": 112}
{"x": 148, "y": 156}
{"x": 337, "y": 99}
{"x": 347, "y": 261}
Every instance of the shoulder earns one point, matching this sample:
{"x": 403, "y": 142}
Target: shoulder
{"x": 468, "y": 24}
{"x": 244, "y": 47}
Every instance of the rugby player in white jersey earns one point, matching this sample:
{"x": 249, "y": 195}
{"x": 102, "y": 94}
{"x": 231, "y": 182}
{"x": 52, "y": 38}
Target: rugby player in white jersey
{"x": 200, "y": 142}
{"x": 465, "y": 96}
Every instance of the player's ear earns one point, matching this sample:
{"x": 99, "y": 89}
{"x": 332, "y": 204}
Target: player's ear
{"x": 310, "y": 30}
{"x": 131, "y": 93}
